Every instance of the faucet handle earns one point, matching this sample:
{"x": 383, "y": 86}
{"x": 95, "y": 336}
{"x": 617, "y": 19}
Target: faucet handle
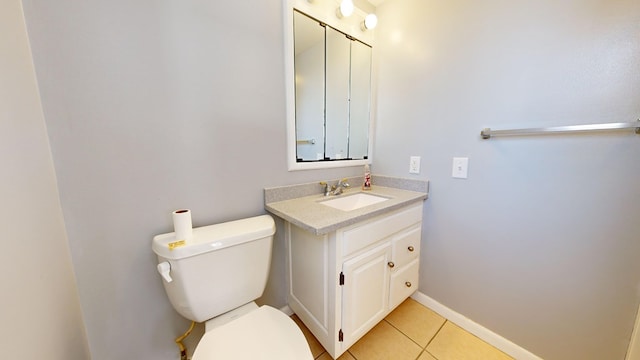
{"x": 327, "y": 188}
{"x": 343, "y": 182}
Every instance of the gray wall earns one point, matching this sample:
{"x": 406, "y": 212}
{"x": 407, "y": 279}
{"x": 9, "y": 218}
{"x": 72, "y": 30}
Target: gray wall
{"x": 540, "y": 244}
{"x": 153, "y": 106}
{"x": 40, "y": 315}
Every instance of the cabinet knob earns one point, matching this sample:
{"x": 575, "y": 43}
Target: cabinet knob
{"x": 391, "y": 264}
{"x": 410, "y": 248}
{"x": 408, "y": 284}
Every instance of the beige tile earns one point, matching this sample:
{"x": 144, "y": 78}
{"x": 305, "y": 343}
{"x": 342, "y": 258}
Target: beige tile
{"x": 384, "y": 342}
{"x": 426, "y": 356}
{"x": 416, "y": 321}
{"x": 345, "y": 356}
{"x": 314, "y": 344}
{"x": 453, "y": 343}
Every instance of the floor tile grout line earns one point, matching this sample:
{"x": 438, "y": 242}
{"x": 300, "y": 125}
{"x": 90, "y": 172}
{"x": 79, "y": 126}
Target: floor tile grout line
{"x": 423, "y": 349}
{"x": 403, "y": 334}
{"x": 407, "y": 336}
{"x": 436, "y": 334}
{"x": 433, "y": 338}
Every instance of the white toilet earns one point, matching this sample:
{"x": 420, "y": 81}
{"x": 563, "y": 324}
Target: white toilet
{"x": 215, "y": 277}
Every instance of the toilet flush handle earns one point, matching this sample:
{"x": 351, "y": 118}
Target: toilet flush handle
{"x": 164, "y": 268}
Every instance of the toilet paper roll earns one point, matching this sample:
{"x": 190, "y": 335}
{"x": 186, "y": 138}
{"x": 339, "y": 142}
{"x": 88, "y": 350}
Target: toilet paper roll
{"x": 182, "y": 224}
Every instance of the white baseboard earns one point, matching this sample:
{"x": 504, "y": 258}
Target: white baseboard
{"x": 478, "y": 330}
{"x": 633, "y": 353}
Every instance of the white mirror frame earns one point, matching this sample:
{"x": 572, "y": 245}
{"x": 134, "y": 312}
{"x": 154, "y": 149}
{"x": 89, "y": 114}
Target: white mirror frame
{"x": 324, "y": 11}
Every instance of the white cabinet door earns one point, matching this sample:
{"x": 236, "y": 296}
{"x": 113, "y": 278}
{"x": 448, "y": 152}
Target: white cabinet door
{"x": 365, "y": 292}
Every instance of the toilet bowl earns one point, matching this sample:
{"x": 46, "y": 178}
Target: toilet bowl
{"x": 215, "y": 278}
{"x": 263, "y": 333}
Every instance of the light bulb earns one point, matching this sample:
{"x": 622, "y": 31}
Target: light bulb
{"x": 370, "y": 21}
{"x": 346, "y": 8}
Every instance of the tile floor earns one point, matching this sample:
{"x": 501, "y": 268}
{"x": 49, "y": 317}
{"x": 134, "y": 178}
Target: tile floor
{"x": 412, "y": 332}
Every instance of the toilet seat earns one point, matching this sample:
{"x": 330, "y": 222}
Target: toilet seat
{"x": 264, "y": 333}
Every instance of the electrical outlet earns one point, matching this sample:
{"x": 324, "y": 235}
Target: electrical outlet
{"x": 414, "y": 165}
{"x": 460, "y": 168}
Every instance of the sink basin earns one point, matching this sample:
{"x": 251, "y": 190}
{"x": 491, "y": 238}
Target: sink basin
{"x": 353, "y": 202}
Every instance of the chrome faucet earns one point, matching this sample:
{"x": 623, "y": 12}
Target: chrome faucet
{"x": 336, "y": 189}
{"x": 340, "y": 186}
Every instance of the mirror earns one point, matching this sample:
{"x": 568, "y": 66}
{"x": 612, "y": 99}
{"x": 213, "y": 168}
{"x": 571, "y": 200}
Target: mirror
{"x": 309, "y": 65}
{"x": 360, "y": 104}
{"x": 329, "y": 107}
{"x": 336, "y": 107}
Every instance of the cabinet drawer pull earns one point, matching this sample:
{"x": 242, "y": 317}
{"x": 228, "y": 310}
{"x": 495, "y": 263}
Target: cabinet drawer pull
{"x": 391, "y": 264}
{"x": 408, "y": 284}
{"x": 410, "y": 248}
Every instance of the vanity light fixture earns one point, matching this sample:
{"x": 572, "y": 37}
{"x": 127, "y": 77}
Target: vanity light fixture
{"x": 370, "y": 22}
{"x": 346, "y": 9}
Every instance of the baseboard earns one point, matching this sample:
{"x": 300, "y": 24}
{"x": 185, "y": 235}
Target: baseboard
{"x": 476, "y": 329}
{"x": 633, "y": 353}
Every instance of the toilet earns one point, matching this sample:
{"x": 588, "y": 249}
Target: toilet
{"x": 215, "y": 278}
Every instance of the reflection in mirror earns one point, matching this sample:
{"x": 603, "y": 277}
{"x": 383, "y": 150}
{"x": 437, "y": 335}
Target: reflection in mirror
{"x": 337, "y": 102}
{"x": 360, "y": 100}
{"x": 309, "y": 87}
{"x": 332, "y": 93}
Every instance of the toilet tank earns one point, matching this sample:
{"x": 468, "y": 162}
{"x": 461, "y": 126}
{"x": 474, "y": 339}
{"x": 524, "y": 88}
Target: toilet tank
{"x": 222, "y": 267}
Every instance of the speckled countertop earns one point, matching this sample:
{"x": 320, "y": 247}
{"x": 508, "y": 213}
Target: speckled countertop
{"x": 300, "y": 204}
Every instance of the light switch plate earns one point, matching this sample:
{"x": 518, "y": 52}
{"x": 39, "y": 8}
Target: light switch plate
{"x": 460, "y": 168}
{"x": 414, "y": 165}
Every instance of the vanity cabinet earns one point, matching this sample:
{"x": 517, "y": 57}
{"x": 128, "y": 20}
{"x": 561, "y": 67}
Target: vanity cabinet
{"x": 341, "y": 284}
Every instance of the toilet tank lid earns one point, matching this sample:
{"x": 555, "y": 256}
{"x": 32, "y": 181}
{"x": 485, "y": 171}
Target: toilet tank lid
{"x": 214, "y": 237}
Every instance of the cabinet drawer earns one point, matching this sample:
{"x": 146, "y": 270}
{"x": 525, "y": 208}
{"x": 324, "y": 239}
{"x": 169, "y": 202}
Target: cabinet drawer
{"x": 404, "y": 283}
{"x": 361, "y": 236}
{"x": 406, "y": 246}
